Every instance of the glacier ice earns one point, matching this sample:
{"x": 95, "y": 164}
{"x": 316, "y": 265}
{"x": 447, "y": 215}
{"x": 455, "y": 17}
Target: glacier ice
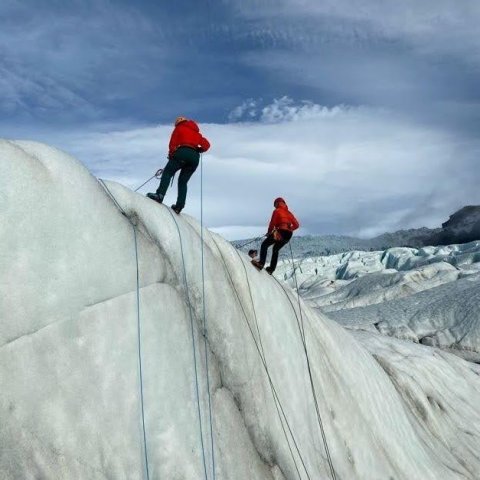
{"x": 429, "y": 295}
{"x": 69, "y": 371}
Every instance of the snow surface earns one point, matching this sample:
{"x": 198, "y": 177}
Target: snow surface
{"x": 69, "y": 372}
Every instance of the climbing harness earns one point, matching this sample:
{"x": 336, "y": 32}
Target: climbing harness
{"x": 139, "y": 336}
{"x": 277, "y": 236}
{"x": 157, "y": 174}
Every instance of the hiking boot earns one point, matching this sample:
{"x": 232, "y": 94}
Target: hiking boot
{"x": 156, "y": 197}
{"x": 176, "y": 209}
{"x": 269, "y": 270}
{"x": 257, "y": 264}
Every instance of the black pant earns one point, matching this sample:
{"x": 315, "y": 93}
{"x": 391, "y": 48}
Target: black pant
{"x": 277, "y": 245}
{"x": 186, "y": 160}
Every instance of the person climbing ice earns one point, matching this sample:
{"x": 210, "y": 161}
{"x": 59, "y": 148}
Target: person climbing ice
{"x": 186, "y": 144}
{"x": 280, "y": 231}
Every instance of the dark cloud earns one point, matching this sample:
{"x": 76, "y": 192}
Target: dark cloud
{"x": 386, "y": 135}
{"x": 148, "y": 60}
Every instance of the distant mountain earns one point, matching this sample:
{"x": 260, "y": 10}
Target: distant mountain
{"x": 463, "y": 226}
{"x": 315, "y": 245}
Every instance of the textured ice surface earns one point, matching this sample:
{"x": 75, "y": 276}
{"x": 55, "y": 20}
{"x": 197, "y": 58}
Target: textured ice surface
{"x": 429, "y": 295}
{"x": 446, "y": 316}
{"x": 69, "y": 376}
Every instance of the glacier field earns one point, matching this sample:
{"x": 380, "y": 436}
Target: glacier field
{"x": 107, "y": 326}
{"x": 429, "y": 295}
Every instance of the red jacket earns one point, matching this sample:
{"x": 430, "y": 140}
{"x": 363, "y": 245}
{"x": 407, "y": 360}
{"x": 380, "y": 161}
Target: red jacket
{"x": 187, "y": 134}
{"x": 283, "y": 219}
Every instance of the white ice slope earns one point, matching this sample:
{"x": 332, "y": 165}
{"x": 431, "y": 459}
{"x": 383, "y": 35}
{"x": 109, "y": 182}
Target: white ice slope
{"x": 69, "y": 372}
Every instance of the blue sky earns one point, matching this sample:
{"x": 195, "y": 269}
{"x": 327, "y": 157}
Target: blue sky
{"x": 364, "y": 114}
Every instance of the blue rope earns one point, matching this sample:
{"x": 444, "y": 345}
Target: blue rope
{"x": 205, "y": 334}
{"x": 259, "y": 351}
{"x": 314, "y": 394}
{"x": 242, "y": 245}
{"x": 138, "y": 325}
{"x": 140, "y": 355}
{"x": 265, "y": 360}
{"x": 193, "y": 344}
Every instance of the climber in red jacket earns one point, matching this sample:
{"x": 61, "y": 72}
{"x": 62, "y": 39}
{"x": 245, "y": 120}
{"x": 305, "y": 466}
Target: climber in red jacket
{"x": 280, "y": 230}
{"x": 186, "y": 144}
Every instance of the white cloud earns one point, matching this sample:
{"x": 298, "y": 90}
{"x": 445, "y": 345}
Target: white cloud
{"x": 283, "y": 109}
{"x": 430, "y": 26}
{"x": 357, "y": 171}
{"x": 246, "y": 110}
